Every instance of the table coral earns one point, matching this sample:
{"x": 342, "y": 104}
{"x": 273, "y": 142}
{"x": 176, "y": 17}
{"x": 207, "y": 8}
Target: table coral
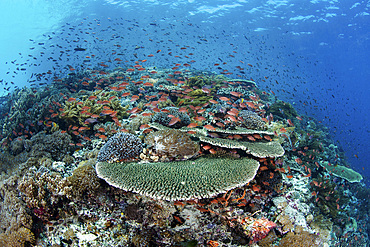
{"x": 179, "y": 180}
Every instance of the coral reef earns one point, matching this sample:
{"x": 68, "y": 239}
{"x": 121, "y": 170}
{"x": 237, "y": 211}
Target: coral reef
{"x": 226, "y": 179}
{"x": 171, "y": 144}
{"x": 121, "y": 146}
{"x": 179, "y": 180}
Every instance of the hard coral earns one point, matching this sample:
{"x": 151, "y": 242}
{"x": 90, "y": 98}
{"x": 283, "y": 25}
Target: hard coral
{"x": 164, "y": 119}
{"x": 251, "y": 120}
{"x": 17, "y": 238}
{"x": 83, "y": 181}
{"x": 179, "y": 180}
{"x": 121, "y": 146}
{"x": 257, "y": 229}
{"x": 171, "y": 144}
{"x": 54, "y": 146}
{"x": 303, "y": 239}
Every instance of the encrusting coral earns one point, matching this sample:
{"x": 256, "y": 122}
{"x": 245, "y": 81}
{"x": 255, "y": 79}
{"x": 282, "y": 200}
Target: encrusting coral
{"x": 179, "y": 180}
{"x": 171, "y": 144}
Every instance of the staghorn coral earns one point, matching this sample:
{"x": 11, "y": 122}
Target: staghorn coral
{"x": 172, "y": 144}
{"x": 251, "y": 120}
{"x": 120, "y": 147}
{"x": 163, "y": 118}
{"x": 179, "y": 180}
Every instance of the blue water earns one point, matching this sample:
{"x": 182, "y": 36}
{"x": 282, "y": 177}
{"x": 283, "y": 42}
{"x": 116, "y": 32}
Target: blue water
{"x": 314, "y": 54}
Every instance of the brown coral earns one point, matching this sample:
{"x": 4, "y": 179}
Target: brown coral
{"x": 303, "y": 239}
{"x": 171, "y": 144}
{"x": 84, "y": 180}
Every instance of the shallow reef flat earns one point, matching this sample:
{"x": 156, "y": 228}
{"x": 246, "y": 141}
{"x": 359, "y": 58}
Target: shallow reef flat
{"x": 149, "y": 157}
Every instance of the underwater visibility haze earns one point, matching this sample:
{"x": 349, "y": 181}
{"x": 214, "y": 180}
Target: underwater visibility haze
{"x": 184, "y": 123}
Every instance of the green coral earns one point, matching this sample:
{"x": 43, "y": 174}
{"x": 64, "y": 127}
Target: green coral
{"x": 256, "y": 149}
{"x": 180, "y": 180}
{"x": 197, "y": 81}
{"x": 197, "y": 97}
{"x": 342, "y": 172}
{"x": 74, "y": 114}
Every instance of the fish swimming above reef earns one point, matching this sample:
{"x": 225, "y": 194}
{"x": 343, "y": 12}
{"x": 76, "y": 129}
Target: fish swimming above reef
{"x": 79, "y": 49}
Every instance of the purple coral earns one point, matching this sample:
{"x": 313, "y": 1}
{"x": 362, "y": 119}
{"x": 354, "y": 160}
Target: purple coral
{"x": 121, "y": 146}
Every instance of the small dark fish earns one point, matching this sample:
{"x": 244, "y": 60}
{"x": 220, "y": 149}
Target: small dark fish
{"x": 80, "y": 49}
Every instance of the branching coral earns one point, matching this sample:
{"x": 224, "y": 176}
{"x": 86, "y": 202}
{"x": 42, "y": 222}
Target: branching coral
{"x": 121, "y": 146}
{"x": 40, "y": 188}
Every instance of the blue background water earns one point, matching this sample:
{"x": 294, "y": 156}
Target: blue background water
{"x": 315, "y": 54}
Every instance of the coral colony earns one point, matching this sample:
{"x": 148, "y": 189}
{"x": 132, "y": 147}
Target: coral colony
{"x": 199, "y": 159}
